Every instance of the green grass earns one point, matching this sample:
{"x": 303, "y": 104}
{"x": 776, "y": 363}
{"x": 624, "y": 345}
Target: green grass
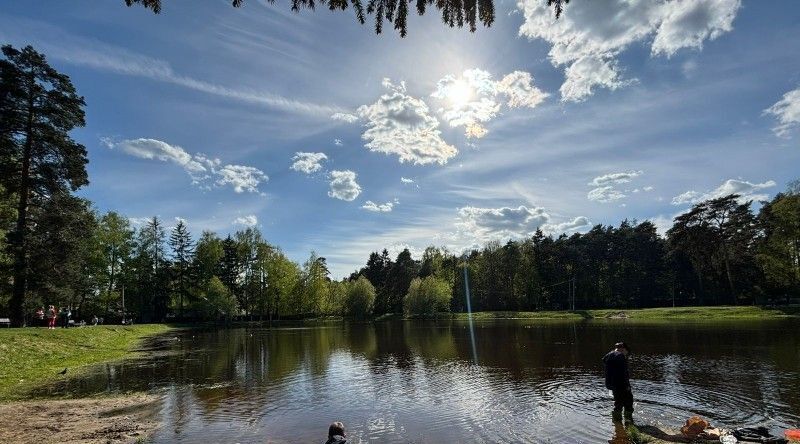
{"x": 32, "y": 356}
{"x": 645, "y": 314}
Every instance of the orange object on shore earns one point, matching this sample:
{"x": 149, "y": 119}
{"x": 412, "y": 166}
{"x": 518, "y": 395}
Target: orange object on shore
{"x": 792, "y": 434}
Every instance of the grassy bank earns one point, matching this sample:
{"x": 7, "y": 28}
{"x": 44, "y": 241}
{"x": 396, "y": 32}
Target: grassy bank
{"x": 31, "y": 356}
{"x": 650, "y": 314}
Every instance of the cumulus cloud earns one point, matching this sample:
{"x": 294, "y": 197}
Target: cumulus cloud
{"x": 605, "y": 194}
{"x": 472, "y": 99}
{"x": 246, "y": 221}
{"x": 203, "y": 170}
{"x": 241, "y": 177}
{"x": 378, "y": 208}
{"x": 406, "y": 180}
{"x": 338, "y": 142}
{"x": 475, "y": 226}
{"x": 343, "y": 185}
{"x": 308, "y": 162}
{"x": 615, "y": 178}
{"x": 483, "y": 224}
{"x": 402, "y": 125}
{"x": 519, "y": 90}
{"x": 345, "y": 117}
{"x": 590, "y": 35}
{"x": 746, "y": 190}
{"x": 787, "y": 112}
{"x": 604, "y": 186}
{"x": 576, "y": 224}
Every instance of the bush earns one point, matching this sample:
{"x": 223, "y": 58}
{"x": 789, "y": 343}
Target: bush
{"x": 427, "y": 296}
{"x": 360, "y": 298}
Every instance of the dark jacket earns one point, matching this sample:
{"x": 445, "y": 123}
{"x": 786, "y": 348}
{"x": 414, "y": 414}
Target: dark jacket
{"x": 336, "y": 439}
{"x": 616, "y": 370}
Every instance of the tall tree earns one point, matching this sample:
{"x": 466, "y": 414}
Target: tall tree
{"x": 152, "y": 262}
{"x": 779, "y": 251}
{"x": 182, "y": 251}
{"x": 116, "y": 241}
{"x": 38, "y": 108}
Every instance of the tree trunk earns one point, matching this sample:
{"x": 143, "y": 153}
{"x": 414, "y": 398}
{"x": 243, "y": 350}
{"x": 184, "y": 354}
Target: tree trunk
{"x": 728, "y": 273}
{"x": 17, "y": 302}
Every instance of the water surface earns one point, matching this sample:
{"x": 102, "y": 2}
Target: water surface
{"x": 526, "y": 381}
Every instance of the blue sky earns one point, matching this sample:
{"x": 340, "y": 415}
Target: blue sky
{"x": 330, "y": 138}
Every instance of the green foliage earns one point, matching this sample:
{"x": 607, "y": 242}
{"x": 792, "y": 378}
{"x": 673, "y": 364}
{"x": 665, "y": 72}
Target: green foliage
{"x": 427, "y": 296}
{"x": 360, "y": 298}
{"x": 39, "y": 160}
{"x": 779, "y": 252}
{"x": 218, "y": 302}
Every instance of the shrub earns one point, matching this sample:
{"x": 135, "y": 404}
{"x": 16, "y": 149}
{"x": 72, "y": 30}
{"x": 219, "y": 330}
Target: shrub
{"x": 427, "y": 296}
{"x": 360, "y": 298}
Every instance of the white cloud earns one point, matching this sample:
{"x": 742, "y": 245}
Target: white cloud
{"x": 308, "y": 162}
{"x": 478, "y": 225}
{"x": 518, "y": 88}
{"x": 138, "y": 221}
{"x": 241, "y": 177}
{"x": 401, "y": 125}
{"x": 590, "y": 35}
{"x": 406, "y": 180}
{"x": 378, "y": 208}
{"x": 201, "y": 169}
{"x": 615, "y": 178}
{"x": 471, "y": 99}
{"x": 787, "y": 111}
{"x": 605, "y": 194}
{"x": 345, "y": 117}
{"x": 343, "y": 185}
{"x": 247, "y": 221}
{"x": 338, "y": 142}
{"x": 746, "y": 190}
{"x": 576, "y": 224}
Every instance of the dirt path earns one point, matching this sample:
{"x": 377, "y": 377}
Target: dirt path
{"x": 123, "y": 419}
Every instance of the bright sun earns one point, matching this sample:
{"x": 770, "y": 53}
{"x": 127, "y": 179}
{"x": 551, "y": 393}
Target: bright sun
{"x": 459, "y": 93}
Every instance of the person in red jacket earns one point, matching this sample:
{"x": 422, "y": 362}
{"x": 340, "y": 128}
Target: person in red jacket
{"x": 52, "y": 315}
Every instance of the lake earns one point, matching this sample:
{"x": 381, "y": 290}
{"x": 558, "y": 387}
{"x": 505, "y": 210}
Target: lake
{"x": 428, "y": 382}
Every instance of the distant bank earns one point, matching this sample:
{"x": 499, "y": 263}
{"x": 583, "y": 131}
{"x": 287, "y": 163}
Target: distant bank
{"x": 663, "y": 313}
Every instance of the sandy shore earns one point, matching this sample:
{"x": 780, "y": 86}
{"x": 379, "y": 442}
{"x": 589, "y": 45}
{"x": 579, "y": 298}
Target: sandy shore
{"x": 122, "y": 419}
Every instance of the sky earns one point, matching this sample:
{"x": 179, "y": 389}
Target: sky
{"x": 328, "y": 137}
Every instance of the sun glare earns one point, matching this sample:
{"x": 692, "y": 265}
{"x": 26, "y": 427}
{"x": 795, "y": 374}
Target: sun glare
{"x": 459, "y": 93}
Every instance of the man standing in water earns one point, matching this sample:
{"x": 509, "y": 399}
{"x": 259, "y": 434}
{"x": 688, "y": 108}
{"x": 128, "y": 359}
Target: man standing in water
{"x": 618, "y": 379}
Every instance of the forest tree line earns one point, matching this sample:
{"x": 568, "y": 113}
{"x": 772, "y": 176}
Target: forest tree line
{"x": 56, "y": 249}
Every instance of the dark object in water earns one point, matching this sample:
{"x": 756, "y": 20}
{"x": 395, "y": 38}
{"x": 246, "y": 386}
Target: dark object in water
{"x": 757, "y": 434}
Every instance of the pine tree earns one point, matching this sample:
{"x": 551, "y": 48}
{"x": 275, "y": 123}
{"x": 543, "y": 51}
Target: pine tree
{"x": 38, "y": 108}
{"x": 182, "y": 253}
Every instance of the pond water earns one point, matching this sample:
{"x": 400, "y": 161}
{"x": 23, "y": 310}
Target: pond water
{"x": 427, "y": 382}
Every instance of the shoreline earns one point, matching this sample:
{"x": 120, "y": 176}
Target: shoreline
{"x": 128, "y": 418}
{"x": 704, "y": 313}
{"x": 33, "y": 356}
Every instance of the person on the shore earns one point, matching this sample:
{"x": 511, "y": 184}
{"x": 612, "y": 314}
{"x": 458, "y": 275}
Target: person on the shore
{"x": 95, "y": 320}
{"x": 336, "y": 434}
{"x": 52, "y": 315}
{"x": 618, "y": 379}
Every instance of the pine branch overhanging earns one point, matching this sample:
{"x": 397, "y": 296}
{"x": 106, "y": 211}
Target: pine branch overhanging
{"x": 454, "y": 12}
